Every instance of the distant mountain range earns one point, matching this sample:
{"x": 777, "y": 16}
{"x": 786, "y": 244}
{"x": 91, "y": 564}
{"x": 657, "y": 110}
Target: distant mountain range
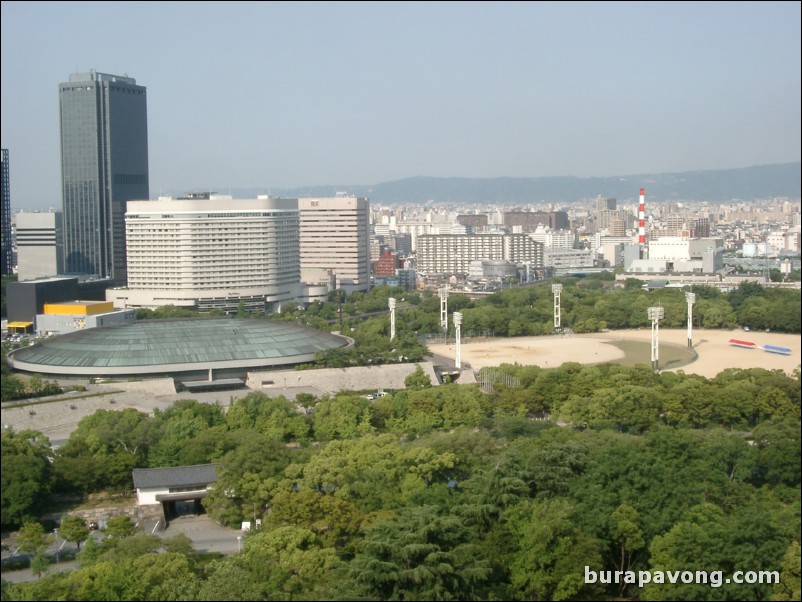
{"x": 721, "y": 185}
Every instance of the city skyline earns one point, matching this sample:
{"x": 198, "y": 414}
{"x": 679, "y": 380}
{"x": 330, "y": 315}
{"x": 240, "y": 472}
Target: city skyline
{"x": 285, "y": 95}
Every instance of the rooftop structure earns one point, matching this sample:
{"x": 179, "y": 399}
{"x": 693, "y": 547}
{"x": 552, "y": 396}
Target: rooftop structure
{"x": 199, "y": 475}
{"x": 69, "y": 316}
{"x": 78, "y": 307}
{"x": 27, "y": 299}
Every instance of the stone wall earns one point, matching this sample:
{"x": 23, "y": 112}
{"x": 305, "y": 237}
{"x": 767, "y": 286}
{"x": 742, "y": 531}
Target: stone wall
{"x": 142, "y": 515}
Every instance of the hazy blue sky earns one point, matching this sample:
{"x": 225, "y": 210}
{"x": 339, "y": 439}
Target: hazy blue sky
{"x": 291, "y": 94}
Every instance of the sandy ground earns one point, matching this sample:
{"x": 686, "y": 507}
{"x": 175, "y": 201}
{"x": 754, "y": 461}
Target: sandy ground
{"x": 712, "y": 346}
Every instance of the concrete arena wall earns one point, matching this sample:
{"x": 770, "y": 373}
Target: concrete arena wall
{"x": 332, "y": 380}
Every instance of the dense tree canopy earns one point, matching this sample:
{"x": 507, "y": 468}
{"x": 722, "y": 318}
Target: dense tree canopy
{"x": 27, "y": 475}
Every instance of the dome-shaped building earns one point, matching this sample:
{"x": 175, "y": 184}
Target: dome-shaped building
{"x": 185, "y": 348}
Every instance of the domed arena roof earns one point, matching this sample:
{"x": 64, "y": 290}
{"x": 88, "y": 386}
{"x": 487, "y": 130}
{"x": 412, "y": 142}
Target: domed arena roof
{"x": 174, "y": 346}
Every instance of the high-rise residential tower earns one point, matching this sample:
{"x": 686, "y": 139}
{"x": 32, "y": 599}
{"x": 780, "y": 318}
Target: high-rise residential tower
{"x": 104, "y": 164}
{"x": 6, "y": 192}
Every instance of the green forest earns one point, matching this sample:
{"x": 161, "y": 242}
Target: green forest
{"x": 437, "y": 493}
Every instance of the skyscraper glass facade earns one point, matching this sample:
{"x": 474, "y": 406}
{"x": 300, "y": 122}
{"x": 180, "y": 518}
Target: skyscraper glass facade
{"x": 104, "y": 164}
{"x": 6, "y": 206}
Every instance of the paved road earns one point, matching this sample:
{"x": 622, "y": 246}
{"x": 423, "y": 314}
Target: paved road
{"x": 57, "y": 419}
{"x": 206, "y": 536}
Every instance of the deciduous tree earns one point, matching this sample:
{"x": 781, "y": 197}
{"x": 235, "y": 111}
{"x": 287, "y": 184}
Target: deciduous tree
{"x": 27, "y": 475}
{"x": 73, "y": 528}
{"x": 420, "y": 554}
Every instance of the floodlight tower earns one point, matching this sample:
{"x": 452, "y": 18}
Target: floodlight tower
{"x": 655, "y": 315}
{"x": 391, "y": 305}
{"x": 556, "y": 289}
{"x": 691, "y": 299}
{"x": 457, "y": 328}
{"x": 443, "y": 307}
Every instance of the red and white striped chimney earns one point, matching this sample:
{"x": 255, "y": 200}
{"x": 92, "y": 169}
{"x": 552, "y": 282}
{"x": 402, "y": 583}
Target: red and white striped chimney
{"x": 642, "y": 220}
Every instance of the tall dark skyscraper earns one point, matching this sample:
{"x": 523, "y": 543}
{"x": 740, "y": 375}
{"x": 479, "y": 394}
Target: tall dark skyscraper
{"x": 6, "y": 192}
{"x": 104, "y": 164}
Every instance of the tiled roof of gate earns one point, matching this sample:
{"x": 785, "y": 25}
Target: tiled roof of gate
{"x": 178, "y": 476}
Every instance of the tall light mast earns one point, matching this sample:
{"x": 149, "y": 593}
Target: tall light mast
{"x": 391, "y": 304}
{"x": 655, "y": 315}
{"x": 443, "y": 307}
{"x": 691, "y": 299}
{"x": 457, "y": 328}
{"x": 556, "y": 289}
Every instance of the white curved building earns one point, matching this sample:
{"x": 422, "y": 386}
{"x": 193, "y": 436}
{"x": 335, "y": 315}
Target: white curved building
{"x": 211, "y": 253}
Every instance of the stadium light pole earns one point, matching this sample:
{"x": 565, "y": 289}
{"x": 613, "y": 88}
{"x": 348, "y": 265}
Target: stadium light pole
{"x": 691, "y": 299}
{"x": 457, "y": 328}
{"x": 655, "y": 315}
{"x": 556, "y": 289}
{"x": 391, "y": 304}
{"x": 443, "y": 307}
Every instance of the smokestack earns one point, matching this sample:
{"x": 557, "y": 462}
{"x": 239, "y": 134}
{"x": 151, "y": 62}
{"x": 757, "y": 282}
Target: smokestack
{"x": 642, "y": 221}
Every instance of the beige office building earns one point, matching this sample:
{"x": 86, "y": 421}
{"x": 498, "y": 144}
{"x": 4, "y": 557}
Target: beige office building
{"x": 211, "y": 253}
{"x": 335, "y": 242}
{"x": 39, "y": 245}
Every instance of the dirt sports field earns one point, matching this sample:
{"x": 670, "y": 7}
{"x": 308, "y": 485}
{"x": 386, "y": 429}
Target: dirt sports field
{"x": 714, "y": 351}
